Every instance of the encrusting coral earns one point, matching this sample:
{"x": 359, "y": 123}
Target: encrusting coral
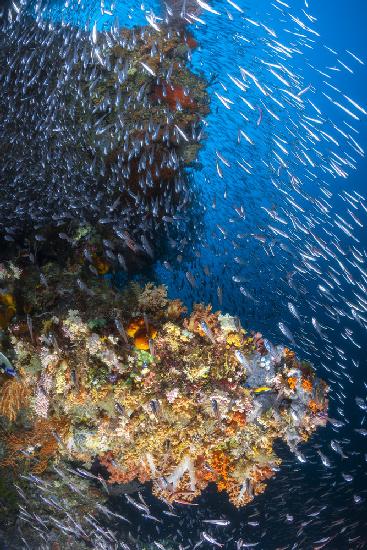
{"x": 126, "y": 380}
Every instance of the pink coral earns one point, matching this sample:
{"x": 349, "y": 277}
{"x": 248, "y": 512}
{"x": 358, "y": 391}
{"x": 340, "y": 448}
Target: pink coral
{"x": 42, "y": 395}
{"x": 172, "y": 395}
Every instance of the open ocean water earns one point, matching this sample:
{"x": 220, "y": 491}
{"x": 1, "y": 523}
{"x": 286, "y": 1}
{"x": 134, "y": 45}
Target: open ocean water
{"x": 259, "y": 220}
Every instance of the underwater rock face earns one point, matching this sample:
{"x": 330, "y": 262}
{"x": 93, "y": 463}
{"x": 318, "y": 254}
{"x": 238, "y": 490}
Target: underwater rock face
{"x": 204, "y": 401}
{"x": 96, "y": 133}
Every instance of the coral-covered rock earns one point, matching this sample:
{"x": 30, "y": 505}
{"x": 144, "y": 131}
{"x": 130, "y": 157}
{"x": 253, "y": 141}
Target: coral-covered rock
{"x": 124, "y": 379}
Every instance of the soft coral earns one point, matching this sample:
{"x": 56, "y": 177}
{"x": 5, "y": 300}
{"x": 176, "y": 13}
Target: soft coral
{"x": 173, "y": 95}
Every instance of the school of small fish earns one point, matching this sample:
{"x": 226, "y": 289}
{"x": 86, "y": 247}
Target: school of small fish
{"x": 280, "y": 219}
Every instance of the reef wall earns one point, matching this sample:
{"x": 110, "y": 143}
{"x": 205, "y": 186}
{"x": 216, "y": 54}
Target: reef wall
{"x": 129, "y": 383}
{"x": 95, "y": 135}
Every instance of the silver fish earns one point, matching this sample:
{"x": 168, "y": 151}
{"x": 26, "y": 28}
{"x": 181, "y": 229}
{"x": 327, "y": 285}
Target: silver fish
{"x": 221, "y": 522}
{"x": 287, "y": 333}
{"x": 294, "y": 311}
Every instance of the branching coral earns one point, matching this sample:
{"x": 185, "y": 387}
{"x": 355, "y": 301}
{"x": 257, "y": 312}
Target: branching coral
{"x": 153, "y": 299}
{"x": 202, "y": 314}
{"x": 123, "y": 474}
{"x": 14, "y": 396}
{"x": 175, "y": 309}
{"x": 38, "y": 445}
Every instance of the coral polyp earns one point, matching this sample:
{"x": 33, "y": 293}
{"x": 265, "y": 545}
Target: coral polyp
{"x": 128, "y": 380}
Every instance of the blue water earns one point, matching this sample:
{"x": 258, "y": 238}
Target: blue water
{"x": 224, "y": 45}
{"x": 220, "y": 52}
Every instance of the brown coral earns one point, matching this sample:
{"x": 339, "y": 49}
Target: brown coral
{"x": 191, "y": 42}
{"x": 202, "y": 314}
{"x": 125, "y": 474}
{"x": 40, "y": 443}
{"x": 290, "y": 357}
{"x": 14, "y": 396}
{"x": 236, "y": 421}
{"x": 259, "y": 343}
{"x": 100, "y": 264}
{"x": 219, "y": 469}
{"x": 153, "y": 299}
{"x": 315, "y": 407}
{"x": 236, "y": 493}
{"x": 175, "y": 309}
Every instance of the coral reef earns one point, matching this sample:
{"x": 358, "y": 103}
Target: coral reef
{"x": 127, "y": 122}
{"x": 153, "y": 394}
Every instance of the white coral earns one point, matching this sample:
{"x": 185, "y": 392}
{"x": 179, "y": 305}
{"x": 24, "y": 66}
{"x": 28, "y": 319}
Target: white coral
{"x": 227, "y": 323}
{"x": 172, "y": 395}
{"x": 73, "y": 326}
{"x": 41, "y": 404}
{"x": 93, "y": 344}
{"x": 48, "y": 358}
{"x": 186, "y": 465}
